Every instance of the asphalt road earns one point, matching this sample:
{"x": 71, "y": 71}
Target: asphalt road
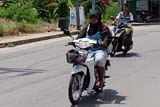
{"x": 37, "y": 75}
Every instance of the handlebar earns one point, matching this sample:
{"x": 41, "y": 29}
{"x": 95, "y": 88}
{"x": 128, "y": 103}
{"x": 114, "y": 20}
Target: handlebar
{"x": 83, "y": 43}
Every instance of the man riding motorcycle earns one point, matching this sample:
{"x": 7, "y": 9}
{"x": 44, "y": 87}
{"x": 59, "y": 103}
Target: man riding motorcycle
{"x": 95, "y": 30}
{"x": 125, "y": 19}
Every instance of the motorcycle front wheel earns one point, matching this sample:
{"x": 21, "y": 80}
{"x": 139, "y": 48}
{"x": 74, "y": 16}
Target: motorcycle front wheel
{"x": 75, "y": 88}
{"x": 114, "y": 49}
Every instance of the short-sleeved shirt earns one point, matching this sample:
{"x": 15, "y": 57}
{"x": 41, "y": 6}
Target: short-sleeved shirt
{"x": 124, "y": 19}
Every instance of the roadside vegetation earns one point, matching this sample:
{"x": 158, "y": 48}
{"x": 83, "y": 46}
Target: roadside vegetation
{"x": 111, "y": 10}
{"x": 28, "y": 16}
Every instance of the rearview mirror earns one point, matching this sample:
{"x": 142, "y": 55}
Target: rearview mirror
{"x": 131, "y": 21}
{"x": 66, "y": 32}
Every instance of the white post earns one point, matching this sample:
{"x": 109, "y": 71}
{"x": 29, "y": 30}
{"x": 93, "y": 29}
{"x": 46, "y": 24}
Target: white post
{"x": 93, "y": 5}
{"x": 121, "y": 2}
{"x": 77, "y": 14}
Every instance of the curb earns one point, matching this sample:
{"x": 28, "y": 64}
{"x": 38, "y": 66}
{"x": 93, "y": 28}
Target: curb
{"x": 142, "y": 24}
{"x": 30, "y": 40}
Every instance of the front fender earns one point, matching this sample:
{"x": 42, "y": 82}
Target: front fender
{"x": 79, "y": 68}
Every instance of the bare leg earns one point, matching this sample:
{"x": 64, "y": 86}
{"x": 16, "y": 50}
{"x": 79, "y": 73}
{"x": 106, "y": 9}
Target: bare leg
{"x": 101, "y": 73}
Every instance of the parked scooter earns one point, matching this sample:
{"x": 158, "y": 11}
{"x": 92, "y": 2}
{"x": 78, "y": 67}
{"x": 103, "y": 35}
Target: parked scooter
{"x": 120, "y": 33}
{"x": 83, "y": 73}
{"x": 145, "y": 18}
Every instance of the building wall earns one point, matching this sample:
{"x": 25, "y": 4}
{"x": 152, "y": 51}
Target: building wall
{"x": 150, "y": 7}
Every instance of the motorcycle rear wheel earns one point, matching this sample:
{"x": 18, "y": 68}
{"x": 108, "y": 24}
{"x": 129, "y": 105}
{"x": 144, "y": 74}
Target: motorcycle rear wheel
{"x": 75, "y": 88}
{"x": 127, "y": 49}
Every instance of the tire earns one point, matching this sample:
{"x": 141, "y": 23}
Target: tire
{"x": 127, "y": 49}
{"x": 115, "y": 46}
{"x": 74, "y": 90}
{"x": 125, "y": 52}
{"x": 112, "y": 53}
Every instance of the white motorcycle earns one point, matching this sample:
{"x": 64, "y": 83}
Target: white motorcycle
{"x": 84, "y": 74}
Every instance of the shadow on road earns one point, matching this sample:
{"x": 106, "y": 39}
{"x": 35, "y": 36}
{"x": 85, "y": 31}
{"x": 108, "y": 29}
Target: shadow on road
{"x": 108, "y": 96}
{"x": 132, "y": 54}
{"x": 20, "y": 71}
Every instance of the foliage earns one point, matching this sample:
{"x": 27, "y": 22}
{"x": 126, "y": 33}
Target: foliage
{"x": 111, "y": 10}
{"x": 25, "y": 27}
{"x": 11, "y": 45}
{"x": 87, "y": 4}
{"x": 22, "y": 11}
{"x": 28, "y": 13}
{"x": 52, "y": 9}
{"x": 7, "y": 26}
{"x": 3, "y": 13}
{"x": 63, "y": 10}
{"x": 45, "y": 8}
{"x": 7, "y": 3}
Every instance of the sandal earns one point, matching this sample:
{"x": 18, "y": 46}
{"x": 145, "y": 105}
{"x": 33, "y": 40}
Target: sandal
{"x": 99, "y": 88}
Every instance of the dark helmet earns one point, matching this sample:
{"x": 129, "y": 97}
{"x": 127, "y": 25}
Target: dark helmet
{"x": 97, "y": 14}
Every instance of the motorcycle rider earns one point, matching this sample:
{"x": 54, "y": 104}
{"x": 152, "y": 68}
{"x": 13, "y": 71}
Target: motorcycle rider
{"x": 96, "y": 30}
{"x": 126, "y": 17}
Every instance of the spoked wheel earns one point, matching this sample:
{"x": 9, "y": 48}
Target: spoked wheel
{"x": 75, "y": 88}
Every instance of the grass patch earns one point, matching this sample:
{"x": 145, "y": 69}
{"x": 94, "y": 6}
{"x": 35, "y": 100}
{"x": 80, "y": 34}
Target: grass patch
{"x": 25, "y": 27}
{"x": 10, "y": 45}
{"x": 7, "y": 25}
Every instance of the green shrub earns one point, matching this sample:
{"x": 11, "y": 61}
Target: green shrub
{"x": 111, "y": 10}
{"x": 7, "y": 3}
{"x": 3, "y": 13}
{"x": 18, "y": 12}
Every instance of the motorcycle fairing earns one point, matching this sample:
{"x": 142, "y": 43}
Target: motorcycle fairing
{"x": 77, "y": 68}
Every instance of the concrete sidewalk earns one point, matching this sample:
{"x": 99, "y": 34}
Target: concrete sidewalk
{"x": 10, "y": 41}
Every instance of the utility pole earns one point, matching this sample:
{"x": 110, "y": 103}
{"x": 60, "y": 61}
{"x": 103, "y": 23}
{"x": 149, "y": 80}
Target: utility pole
{"x": 77, "y": 14}
{"x": 121, "y": 2}
{"x": 93, "y": 5}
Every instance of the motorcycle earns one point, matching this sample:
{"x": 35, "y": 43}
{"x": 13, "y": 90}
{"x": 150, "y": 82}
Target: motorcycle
{"x": 144, "y": 17}
{"x": 84, "y": 74}
{"x": 120, "y": 34}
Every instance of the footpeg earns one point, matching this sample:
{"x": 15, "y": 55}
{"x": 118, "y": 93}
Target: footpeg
{"x": 108, "y": 63}
{"x": 106, "y": 76}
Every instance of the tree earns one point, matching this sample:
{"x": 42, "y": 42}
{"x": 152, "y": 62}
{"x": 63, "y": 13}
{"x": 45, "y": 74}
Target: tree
{"x": 54, "y": 9}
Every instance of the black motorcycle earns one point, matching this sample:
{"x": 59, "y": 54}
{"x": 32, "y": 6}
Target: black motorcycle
{"x": 120, "y": 39}
{"x": 145, "y": 18}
